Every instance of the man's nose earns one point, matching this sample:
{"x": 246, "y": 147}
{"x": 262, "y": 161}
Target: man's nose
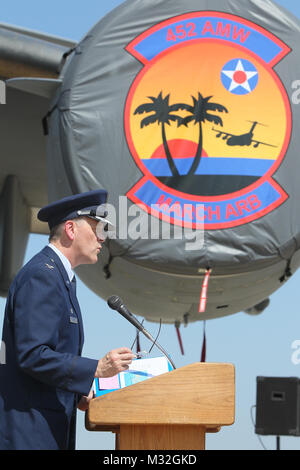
{"x": 100, "y": 236}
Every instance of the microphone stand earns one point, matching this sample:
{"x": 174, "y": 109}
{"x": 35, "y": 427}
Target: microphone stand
{"x": 115, "y": 303}
{"x": 159, "y": 346}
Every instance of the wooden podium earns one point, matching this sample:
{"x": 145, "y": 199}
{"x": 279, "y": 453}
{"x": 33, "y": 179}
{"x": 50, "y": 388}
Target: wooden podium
{"x": 170, "y": 411}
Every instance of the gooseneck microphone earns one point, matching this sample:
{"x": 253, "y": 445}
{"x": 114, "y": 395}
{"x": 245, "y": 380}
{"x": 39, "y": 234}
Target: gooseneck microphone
{"x": 116, "y": 303}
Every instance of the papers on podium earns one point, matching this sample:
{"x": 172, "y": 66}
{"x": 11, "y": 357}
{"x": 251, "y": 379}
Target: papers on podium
{"x": 139, "y": 370}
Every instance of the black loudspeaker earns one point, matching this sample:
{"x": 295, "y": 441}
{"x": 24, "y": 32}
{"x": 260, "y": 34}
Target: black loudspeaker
{"x": 278, "y": 406}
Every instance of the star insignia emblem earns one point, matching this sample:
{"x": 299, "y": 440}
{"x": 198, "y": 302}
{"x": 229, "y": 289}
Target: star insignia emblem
{"x": 239, "y": 74}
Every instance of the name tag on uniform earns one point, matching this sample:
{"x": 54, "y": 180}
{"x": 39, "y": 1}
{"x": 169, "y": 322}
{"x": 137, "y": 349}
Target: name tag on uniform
{"x": 73, "y": 319}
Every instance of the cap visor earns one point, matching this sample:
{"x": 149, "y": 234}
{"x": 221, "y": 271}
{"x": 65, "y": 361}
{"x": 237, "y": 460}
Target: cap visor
{"x": 100, "y": 219}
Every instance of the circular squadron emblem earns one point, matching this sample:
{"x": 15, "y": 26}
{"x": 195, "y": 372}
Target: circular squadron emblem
{"x": 207, "y": 120}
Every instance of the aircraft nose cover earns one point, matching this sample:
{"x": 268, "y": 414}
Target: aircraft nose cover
{"x": 189, "y": 110}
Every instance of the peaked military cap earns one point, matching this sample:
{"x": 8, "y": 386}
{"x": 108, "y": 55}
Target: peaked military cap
{"x": 83, "y": 204}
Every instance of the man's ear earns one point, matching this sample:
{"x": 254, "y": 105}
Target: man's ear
{"x": 70, "y": 227}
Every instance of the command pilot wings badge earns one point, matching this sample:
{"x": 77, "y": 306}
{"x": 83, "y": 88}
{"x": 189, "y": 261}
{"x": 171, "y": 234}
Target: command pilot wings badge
{"x": 207, "y": 120}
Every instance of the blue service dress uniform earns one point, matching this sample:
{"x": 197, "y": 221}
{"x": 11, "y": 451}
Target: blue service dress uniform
{"x": 44, "y": 374}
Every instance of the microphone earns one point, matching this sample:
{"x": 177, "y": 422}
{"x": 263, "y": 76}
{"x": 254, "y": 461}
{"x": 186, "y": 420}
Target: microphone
{"x": 116, "y": 303}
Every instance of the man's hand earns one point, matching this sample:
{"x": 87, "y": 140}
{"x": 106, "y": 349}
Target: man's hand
{"x": 85, "y": 401}
{"x": 114, "y": 362}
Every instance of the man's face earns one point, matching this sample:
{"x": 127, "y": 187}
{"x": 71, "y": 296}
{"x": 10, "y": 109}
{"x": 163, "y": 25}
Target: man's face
{"x": 88, "y": 239}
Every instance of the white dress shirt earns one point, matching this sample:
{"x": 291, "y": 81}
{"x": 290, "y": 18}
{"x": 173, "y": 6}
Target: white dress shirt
{"x": 64, "y": 260}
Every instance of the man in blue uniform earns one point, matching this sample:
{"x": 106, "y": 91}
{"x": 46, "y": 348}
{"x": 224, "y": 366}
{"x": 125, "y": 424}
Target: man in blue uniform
{"x": 44, "y": 377}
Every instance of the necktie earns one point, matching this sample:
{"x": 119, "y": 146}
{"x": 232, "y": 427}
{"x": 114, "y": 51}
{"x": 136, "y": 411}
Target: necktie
{"x": 73, "y": 282}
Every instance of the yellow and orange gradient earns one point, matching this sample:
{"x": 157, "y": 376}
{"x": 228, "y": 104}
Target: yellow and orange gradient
{"x": 191, "y": 68}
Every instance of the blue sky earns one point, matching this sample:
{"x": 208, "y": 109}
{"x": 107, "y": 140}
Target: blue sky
{"x": 257, "y": 346}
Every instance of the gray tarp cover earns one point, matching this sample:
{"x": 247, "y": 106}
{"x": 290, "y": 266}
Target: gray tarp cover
{"x": 222, "y": 65}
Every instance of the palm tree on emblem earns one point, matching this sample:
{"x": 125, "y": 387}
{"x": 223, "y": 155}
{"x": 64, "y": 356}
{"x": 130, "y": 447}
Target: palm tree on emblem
{"x": 199, "y": 114}
{"x": 162, "y": 115}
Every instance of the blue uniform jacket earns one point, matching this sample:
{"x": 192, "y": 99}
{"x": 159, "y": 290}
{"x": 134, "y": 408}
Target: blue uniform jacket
{"x": 44, "y": 373}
